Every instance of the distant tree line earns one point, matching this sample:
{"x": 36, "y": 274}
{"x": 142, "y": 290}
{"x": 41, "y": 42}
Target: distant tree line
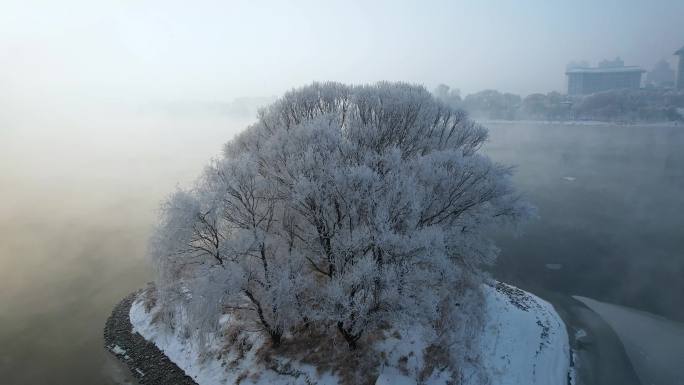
{"x": 625, "y": 105}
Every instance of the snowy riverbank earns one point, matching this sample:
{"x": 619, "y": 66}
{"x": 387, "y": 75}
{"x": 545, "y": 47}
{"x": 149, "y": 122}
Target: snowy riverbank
{"x": 654, "y": 344}
{"x": 488, "y": 122}
{"x": 147, "y": 364}
{"x": 523, "y": 341}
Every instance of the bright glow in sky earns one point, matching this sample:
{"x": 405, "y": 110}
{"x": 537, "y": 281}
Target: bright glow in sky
{"x": 218, "y": 50}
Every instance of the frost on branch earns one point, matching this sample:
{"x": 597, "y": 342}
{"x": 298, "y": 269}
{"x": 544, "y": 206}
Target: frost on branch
{"x": 344, "y": 208}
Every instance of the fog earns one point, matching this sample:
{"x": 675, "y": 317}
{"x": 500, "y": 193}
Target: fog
{"x": 609, "y": 199}
{"x": 141, "y": 50}
{"x": 80, "y": 189}
{"x": 106, "y": 107}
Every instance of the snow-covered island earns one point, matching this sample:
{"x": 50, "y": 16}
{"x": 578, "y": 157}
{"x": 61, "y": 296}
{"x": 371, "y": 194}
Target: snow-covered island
{"x": 343, "y": 238}
{"x": 521, "y": 340}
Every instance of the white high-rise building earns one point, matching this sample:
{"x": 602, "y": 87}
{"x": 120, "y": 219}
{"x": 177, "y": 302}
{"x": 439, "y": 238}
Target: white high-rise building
{"x": 680, "y": 68}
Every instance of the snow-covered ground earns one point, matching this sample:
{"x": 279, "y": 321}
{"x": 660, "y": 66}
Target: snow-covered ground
{"x": 523, "y": 342}
{"x": 654, "y": 344}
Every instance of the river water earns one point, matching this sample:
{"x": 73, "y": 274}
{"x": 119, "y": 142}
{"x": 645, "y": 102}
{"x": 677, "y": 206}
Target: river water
{"x": 610, "y": 203}
{"x": 80, "y": 190}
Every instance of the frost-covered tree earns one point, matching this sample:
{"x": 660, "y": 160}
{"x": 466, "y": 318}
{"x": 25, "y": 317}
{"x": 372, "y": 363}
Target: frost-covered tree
{"x": 630, "y": 105}
{"x": 447, "y": 95}
{"x": 552, "y": 106}
{"x": 492, "y": 104}
{"x": 349, "y": 207}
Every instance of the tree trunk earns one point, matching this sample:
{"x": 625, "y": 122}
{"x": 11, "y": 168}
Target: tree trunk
{"x": 276, "y": 337}
{"x": 274, "y": 333}
{"x": 349, "y": 337}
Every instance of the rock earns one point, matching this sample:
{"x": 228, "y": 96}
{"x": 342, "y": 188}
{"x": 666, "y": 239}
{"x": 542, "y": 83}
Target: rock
{"x": 146, "y": 362}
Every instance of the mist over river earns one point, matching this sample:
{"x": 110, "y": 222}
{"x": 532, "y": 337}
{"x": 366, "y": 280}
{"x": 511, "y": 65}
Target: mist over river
{"x": 80, "y": 192}
{"x": 610, "y": 200}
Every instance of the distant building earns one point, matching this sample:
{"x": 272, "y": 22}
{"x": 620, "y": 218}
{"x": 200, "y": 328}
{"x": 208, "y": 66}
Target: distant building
{"x": 680, "y": 68}
{"x": 609, "y": 75}
{"x": 662, "y": 75}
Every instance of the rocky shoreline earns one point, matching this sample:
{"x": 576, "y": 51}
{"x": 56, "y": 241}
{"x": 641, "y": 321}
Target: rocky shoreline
{"x": 147, "y": 363}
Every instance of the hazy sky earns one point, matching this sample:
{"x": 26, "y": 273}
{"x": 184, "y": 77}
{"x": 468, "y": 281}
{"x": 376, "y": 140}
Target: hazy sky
{"x": 209, "y": 50}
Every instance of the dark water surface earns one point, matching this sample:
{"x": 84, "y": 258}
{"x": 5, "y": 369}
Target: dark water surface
{"x": 79, "y": 199}
{"x": 610, "y": 205}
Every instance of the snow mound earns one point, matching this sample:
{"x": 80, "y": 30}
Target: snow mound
{"x": 523, "y": 342}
